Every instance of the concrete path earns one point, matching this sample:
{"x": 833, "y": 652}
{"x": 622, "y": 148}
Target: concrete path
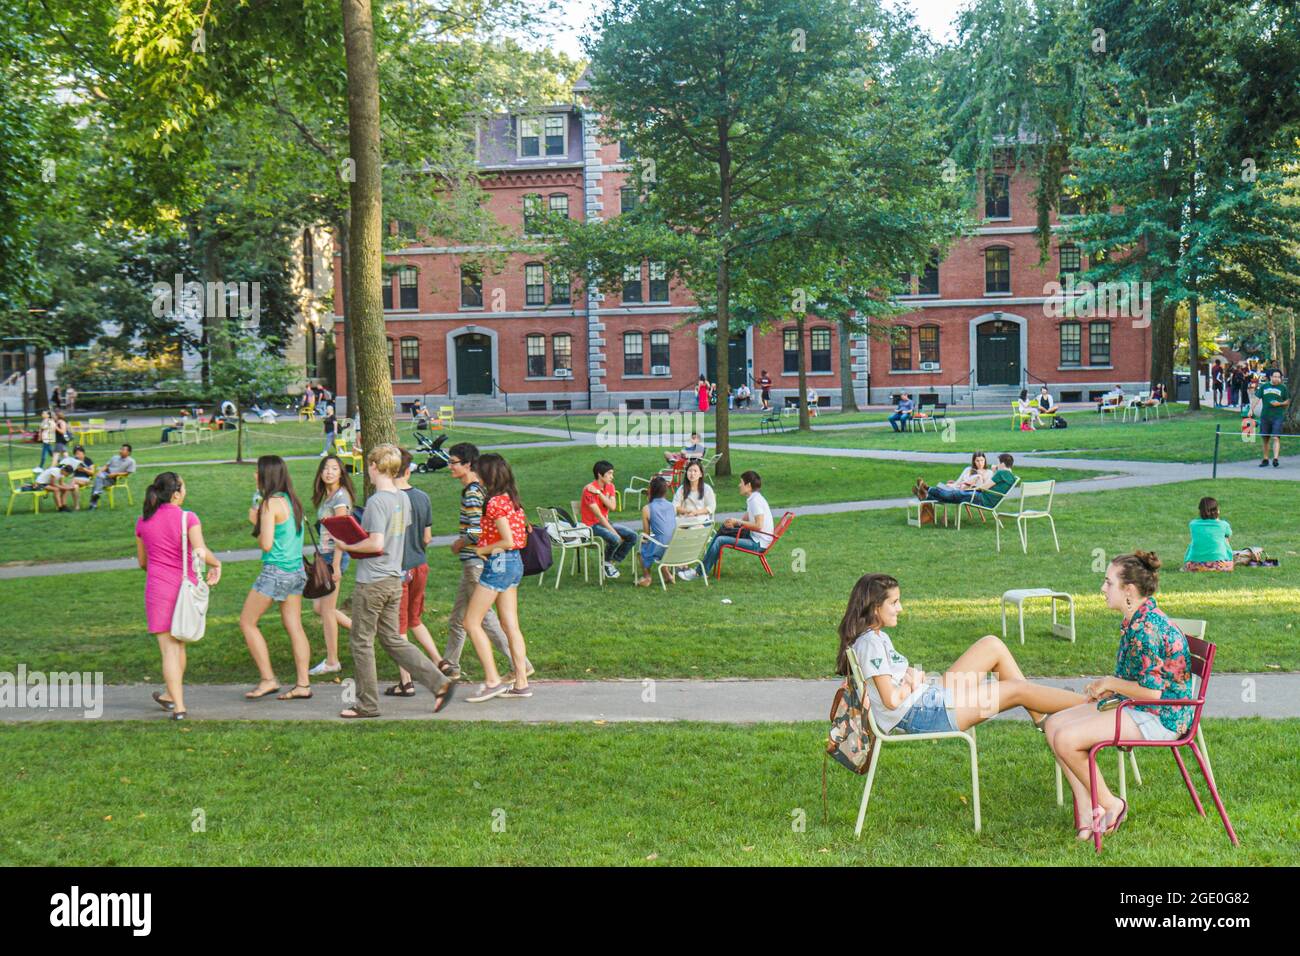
{"x": 614, "y": 701}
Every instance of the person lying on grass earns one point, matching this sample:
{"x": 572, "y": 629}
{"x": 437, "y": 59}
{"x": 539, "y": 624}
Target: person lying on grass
{"x": 904, "y": 701}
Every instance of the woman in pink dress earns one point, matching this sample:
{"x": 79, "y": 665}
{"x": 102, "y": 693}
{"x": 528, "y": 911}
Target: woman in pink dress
{"x": 158, "y": 549}
{"x": 702, "y": 394}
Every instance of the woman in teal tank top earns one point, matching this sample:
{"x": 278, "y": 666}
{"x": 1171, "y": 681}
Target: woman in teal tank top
{"x": 278, "y": 525}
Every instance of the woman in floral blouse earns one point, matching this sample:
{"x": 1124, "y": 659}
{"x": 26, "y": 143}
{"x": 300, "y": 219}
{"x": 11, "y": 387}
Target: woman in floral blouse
{"x": 1153, "y": 663}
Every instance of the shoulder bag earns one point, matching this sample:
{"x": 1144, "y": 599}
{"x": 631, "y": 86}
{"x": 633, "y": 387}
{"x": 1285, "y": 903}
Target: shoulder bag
{"x": 190, "y": 618}
{"x": 320, "y": 576}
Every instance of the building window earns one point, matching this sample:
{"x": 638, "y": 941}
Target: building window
{"x": 659, "y": 351}
{"x": 658, "y": 282}
{"x": 310, "y": 349}
{"x": 534, "y": 284}
{"x": 632, "y": 284}
{"x": 560, "y": 294}
{"x": 555, "y": 134}
{"x": 530, "y": 136}
{"x": 1068, "y": 204}
{"x": 627, "y": 199}
{"x": 536, "y": 356}
{"x": 632, "y": 354}
{"x": 929, "y": 284}
{"x": 308, "y": 260}
{"x": 1071, "y": 353}
{"x": 1098, "y": 343}
{"x": 471, "y": 287}
{"x": 790, "y": 351}
{"x": 408, "y": 293}
{"x": 406, "y": 229}
{"x": 927, "y": 340}
{"x": 532, "y": 214}
{"x": 997, "y": 197}
{"x": 997, "y": 269}
{"x": 900, "y": 349}
{"x": 1071, "y": 261}
{"x": 410, "y": 357}
{"x": 559, "y": 204}
{"x": 392, "y": 359}
{"x": 625, "y": 150}
{"x": 562, "y": 350}
{"x": 388, "y": 291}
{"x": 821, "y": 350}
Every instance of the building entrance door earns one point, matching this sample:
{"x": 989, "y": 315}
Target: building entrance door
{"x": 998, "y": 353}
{"x": 473, "y": 365}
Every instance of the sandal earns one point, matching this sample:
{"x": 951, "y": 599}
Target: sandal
{"x": 401, "y": 690}
{"x": 164, "y": 704}
{"x": 351, "y": 714}
{"x": 290, "y": 695}
{"x": 448, "y": 668}
{"x": 178, "y": 715}
{"x": 443, "y": 697}
{"x": 1119, "y": 819}
{"x": 259, "y": 694}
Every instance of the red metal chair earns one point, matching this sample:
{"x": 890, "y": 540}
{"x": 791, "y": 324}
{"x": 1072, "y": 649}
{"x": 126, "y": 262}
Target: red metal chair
{"x": 1202, "y": 655}
{"x": 762, "y": 555}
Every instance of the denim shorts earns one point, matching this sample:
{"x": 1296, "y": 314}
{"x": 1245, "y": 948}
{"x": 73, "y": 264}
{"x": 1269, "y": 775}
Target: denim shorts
{"x": 278, "y": 584}
{"x": 1269, "y": 427}
{"x": 343, "y": 565}
{"x": 932, "y": 713}
{"x": 502, "y": 571}
{"x": 1149, "y": 725}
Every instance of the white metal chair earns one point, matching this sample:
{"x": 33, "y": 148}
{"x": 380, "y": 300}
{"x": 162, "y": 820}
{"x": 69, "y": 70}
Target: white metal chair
{"x": 684, "y": 550}
{"x": 891, "y": 739}
{"x": 567, "y": 538}
{"x": 709, "y": 465}
{"x": 998, "y": 510}
{"x": 1032, "y": 493}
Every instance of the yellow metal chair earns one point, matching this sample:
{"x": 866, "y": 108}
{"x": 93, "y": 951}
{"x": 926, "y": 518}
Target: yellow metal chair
{"x": 123, "y": 482}
{"x": 17, "y": 480}
{"x": 350, "y": 456}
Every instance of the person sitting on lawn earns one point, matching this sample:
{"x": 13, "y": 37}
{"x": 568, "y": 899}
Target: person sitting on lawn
{"x": 902, "y": 413}
{"x": 119, "y": 466}
{"x": 694, "y": 450}
{"x": 1153, "y": 664}
{"x": 1208, "y": 549}
{"x": 754, "y": 531}
{"x": 57, "y": 480}
{"x": 598, "y": 500}
{"x": 1028, "y": 411}
{"x": 695, "y": 500}
{"x": 659, "y": 520}
{"x": 976, "y": 477}
{"x": 904, "y": 701}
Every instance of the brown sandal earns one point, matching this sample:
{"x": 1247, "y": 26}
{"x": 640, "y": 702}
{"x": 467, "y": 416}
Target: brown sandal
{"x": 258, "y": 695}
{"x": 401, "y": 690}
{"x": 290, "y": 695}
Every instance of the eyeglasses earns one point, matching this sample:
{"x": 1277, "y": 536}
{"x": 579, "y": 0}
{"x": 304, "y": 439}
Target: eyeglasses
{"x": 454, "y": 461}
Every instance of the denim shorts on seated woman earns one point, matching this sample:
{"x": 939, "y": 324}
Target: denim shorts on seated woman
{"x": 502, "y": 571}
{"x": 932, "y": 713}
{"x": 278, "y": 584}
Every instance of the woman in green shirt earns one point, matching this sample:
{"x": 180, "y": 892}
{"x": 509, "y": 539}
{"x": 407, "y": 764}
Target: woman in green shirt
{"x": 277, "y": 520}
{"x": 1209, "y": 549}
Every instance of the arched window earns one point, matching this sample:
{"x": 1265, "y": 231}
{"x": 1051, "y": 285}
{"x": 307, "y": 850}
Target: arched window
{"x": 1098, "y": 343}
{"x": 927, "y": 340}
{"x": 997, "y": 197}
{"x": 408, "y": 293}
{"x": 633, "y": 354}
{"x": 536, "y": 344}
{"x": 659, "y": 353}
{"x": 790, "y": 351}
{"x": 900, "y": 349}
{"x": 534, "y": 284}
{"x": 410, "y": 357}
{"x": 562, "y": 350}
{"x": 997, "y": 269}
{"x": 632, "y": 284}
{"x": 392, "y": 358}
{"x": 559, "y": 204}
{"x": 561, "y": 288}
{"x": 471, "y": 287}
{"x": 658, "y": 281}
{"x": 1071, "y": 344}
{"x": 820, "y": 358}
{"x": 532, "y": 213}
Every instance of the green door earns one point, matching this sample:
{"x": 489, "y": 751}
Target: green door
{"x": 998, "y": 353}
{"x": 473, "y": 365}
{"x": 737, "y": 354}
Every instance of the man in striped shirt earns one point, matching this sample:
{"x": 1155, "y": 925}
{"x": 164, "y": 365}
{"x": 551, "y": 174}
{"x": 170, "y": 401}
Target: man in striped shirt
{"x": 461, "y": 460}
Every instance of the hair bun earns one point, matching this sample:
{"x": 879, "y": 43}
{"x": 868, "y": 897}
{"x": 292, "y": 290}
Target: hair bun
{"x": 1150, "y": 560}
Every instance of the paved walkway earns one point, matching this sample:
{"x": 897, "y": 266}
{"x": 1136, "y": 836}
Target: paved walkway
{"x": 1276, "y": 696}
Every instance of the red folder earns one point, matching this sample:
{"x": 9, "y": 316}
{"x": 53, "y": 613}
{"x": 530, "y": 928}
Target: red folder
{"x": 348, "y": 530}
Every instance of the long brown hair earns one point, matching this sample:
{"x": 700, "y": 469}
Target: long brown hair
{"x": 159, "y": 493}
{"x": 871, "y": 591}
{"x": 273, "y": 479}
{"x": 497, "y": 477}
{"x": 318, "y": 488}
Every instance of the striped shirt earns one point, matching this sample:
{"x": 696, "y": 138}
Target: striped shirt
{"x": 472, "y": 500}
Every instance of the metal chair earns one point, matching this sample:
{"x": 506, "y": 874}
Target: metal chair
{"x": 1030, "y": 492}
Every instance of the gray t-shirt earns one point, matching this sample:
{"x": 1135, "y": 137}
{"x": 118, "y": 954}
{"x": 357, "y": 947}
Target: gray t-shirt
{"x": 421, "y": 518}
{"x": 389, "y": 514}
{"x": 339, "y": 499}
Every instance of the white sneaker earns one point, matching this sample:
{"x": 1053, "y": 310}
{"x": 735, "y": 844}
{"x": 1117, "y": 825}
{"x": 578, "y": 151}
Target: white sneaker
{"x": 323, "y": 668}
{"x": 687, "y": 574}
{"x": 610, "y": 570}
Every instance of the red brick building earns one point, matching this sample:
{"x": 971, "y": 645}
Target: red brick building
{"x": 525, "y": 339}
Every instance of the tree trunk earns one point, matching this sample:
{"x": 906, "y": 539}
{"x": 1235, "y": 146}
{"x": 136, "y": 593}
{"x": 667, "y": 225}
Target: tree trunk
{"x": 365, "y": 320}
{"x": 1164, "y": 314}
{"x": 1194, "y": 353}
{"x": 848, "y": 396}
{"x": 805, "y": 421}
{"x": 349, "y": 354}
{"x": 41, "y": 400}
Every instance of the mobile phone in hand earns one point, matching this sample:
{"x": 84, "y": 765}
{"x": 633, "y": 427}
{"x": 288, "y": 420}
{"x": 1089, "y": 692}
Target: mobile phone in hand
{"x": 1110, "y": 701}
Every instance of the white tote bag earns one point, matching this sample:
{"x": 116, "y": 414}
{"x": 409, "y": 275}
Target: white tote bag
{"x": 191, "y": 615}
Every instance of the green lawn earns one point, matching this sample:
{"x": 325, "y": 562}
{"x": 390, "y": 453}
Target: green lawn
{"x": 592, "y": 422}
{"x": 220, "y": 494}
{"x": 1185, "y": 437}
{"x": 423, "y": 793}
{"x": 780, "y": 627}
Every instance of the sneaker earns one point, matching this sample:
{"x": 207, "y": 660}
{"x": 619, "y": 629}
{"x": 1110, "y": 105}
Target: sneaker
{"x": 1264, "y": 463}
{"x": 487, "y": 693}
{"x": 687, "y": 574}
{"x": 1275, "y": 464}
{"x": 610, "y": 570}
{"x": 323, "y": 668}
{"x": 517, "y": 694}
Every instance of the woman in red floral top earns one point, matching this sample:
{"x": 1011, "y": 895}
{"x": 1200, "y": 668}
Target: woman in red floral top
{"x": 504, "y": 534}
{"x": 1153, "y": 663}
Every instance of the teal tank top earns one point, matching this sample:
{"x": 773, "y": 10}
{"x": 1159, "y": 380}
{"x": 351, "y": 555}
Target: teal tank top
{"x": 286, "y": 548}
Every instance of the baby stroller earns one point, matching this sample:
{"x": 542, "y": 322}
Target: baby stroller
{"x": 432, "y": 447}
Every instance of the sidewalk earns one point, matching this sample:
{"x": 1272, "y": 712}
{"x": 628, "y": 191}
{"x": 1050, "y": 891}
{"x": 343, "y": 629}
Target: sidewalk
{"x": 1277, "y": 696}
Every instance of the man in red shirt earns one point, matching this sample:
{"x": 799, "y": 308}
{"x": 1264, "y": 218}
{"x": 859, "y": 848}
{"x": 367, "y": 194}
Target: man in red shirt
{"x": 598, "y": 499}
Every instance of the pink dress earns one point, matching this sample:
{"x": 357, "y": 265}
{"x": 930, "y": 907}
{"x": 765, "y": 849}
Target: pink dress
{"x": 161, "y": 535}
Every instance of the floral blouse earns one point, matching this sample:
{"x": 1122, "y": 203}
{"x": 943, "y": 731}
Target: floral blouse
{"x": 1154, "y": 653}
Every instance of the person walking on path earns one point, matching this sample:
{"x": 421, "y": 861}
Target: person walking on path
{"x": 1273, "y": 399}
{"x": 505, "y": 532}
{"x": 278, "y": 525}
{"x": 333, "y": 496}
{"x": 331, "y": 430}
{"x": 46, "y": 433}
{"x": 702, "y": 394}
{"x": 377, "y": 597}
{"x": 462, "y": 460}
{"x": 415, "y": 576}
{"x": 158, "y": 551}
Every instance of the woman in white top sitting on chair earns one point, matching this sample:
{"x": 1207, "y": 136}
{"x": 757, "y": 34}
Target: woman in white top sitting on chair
{"x": 694, "y": 500}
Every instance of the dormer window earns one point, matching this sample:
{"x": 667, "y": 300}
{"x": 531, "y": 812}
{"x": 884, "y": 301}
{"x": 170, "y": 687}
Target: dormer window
{"x": 543, "y": 136}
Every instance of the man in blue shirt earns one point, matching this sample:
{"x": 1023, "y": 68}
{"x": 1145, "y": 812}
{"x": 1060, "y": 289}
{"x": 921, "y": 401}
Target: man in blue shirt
{"x": 902, "y": 413}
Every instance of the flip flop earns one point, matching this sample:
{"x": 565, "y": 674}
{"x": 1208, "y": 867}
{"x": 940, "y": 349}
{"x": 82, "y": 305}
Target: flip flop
{"x": 164, "y": 704}
{"x": 1119, "y": 819}
{"x": 258, "y": 695}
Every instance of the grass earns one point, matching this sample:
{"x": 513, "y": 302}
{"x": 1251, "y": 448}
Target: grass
{"x": 220, "y": 494}
{"x": 780, "y": 627}
{"x": 740, "y": 420}
{"x": 685, "y": 794}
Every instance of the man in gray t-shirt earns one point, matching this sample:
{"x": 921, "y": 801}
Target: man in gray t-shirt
{"x": 386, "y": 513}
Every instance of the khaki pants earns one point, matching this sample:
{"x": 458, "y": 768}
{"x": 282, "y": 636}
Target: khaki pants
{"x": 470, "y": 571}
{"x": 375, "y": 608}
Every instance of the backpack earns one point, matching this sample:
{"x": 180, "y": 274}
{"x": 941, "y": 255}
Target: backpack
{"x": 1060, "y": 422}
{"x": 850, "y": 740}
